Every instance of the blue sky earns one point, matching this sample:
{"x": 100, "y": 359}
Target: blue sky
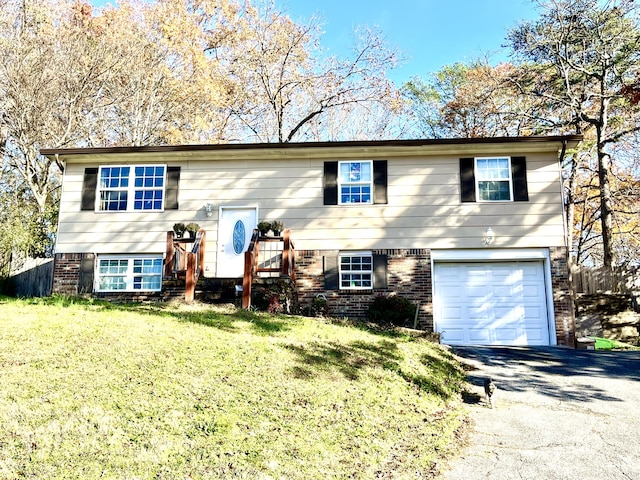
{"x": 431, "y": 33}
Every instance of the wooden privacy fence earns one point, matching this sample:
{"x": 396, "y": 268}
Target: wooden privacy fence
{"x": 34, "y": 278}
{"x": 591, "y": 280}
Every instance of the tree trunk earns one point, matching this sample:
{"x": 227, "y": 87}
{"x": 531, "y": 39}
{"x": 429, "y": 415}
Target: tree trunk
{"x": 606, "y": 216}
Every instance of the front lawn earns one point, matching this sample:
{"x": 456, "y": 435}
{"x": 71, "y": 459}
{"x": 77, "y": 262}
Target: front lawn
{"x": 94, "y": 390}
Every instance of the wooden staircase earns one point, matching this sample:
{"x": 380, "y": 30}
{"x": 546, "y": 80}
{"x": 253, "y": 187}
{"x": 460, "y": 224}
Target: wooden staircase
{"x": 268, "y": 262}
{"x": 184, "y": 260}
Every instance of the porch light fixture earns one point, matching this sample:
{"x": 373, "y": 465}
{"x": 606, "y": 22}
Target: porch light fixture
{"x": 488, "y": 237}
{"x": 208, "y": 207}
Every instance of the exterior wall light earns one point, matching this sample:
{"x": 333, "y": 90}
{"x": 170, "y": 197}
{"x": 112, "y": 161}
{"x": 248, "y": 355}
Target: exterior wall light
{"x": 488, "y": 237}
{"x": 208, "y": 207}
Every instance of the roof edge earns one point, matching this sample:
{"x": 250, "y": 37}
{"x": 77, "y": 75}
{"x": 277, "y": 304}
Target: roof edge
{"x": 291, "y": 145}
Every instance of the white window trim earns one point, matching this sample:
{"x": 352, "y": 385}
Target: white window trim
{"x": 340, "y": 184}
{"x": 131, "y": 189}
{"x": 478, "y": 180}
{"x": 129, "y": 276}
{"x": 355, "y": 254}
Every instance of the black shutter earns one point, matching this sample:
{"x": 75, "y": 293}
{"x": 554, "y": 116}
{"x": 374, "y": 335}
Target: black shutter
{"x": 330, "y": 268}
{"x": 379, "y": 271}
{"x": 89, "y": 184}
{"x": 379, "y": 181}
{"x": 330, "y": 183}
{"x": 519, "y": 177}
{"x": 85, "y": 280}
{"x": 173, "y": 184}
{"x": 467, "y": 180}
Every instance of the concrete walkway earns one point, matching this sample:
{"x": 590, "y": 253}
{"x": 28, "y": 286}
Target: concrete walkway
{"x": 559, "y": 414}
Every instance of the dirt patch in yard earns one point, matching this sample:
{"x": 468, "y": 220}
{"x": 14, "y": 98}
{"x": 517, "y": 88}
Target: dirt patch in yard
{"x": 608, "y": 316}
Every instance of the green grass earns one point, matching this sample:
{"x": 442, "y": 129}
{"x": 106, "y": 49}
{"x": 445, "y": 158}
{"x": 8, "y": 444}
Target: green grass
{"x": 611, "y": 344}
{"x": 94, "y": 390}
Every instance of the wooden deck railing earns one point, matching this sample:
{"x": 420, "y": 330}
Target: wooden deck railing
{"x": 260, "y": 260}
{"x": 184, "y": 261}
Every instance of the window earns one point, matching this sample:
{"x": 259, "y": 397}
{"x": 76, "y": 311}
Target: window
{"x": 493, "y": 179}
{"x": 355, "y": 180}
{"x": 493, "y": 176}
{"x": 128, "y": 274}
{"x": 340, "y": 187}
{"x": 356, "y": 270}
{"x": 131, "y": 188}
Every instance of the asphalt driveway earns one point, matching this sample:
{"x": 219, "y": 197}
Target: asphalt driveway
{"x": 559, "y": 414}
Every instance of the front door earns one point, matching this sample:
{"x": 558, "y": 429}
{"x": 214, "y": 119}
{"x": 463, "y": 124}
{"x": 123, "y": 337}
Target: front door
{"x": 234, "y": 235}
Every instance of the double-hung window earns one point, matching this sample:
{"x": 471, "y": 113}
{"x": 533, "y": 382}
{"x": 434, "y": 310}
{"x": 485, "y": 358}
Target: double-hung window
{"x": 356, "y": 270}
{"x": 493, "y": 179}
{"x": 355, "y": 182}
{"x": 116, "y": 273}
{"x": 131, "y": 188}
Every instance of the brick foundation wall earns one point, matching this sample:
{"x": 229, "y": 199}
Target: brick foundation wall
{"x": 66, "y": 273}
{"x": 563, "y": 305}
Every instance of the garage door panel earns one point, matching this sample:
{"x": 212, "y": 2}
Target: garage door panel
{"x": 491, "y": 303}
{"x": 475, "y": 291}
{"x": 451, "y": 291}
{"x": 508, "y": 314}
{"x": 535, "y": 312}
{"x": 479, "y": 335}
{"x": 506, "y": 335}
{"x": 536, "y": 336}
{"x": 450, "y": 270}
{"x": 456, "y": 336}
{"x": 452, "y": 313}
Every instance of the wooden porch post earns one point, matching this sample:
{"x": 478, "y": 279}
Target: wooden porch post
{"x": 168, "y": 261}
{"x": 286, "y": 253}
{"x": 246, "y": 279}
{"x": 190, "y": 283}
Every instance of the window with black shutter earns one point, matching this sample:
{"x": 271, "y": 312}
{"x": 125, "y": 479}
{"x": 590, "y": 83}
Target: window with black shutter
{"x": 355, "y": 271}
{"x": 493, "y": 179}
{"x": 355, "y": 182}
{"x": 130, "y": 188}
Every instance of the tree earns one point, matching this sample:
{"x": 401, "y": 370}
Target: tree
{"x": 281, "y": 88}
{"x": 581, "y": 56}
{"x": 469, "y": 101}
{"x": 47, "y": 79}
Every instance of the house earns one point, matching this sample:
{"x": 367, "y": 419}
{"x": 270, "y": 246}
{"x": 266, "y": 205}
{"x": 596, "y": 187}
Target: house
{"x": 472, "y": 230}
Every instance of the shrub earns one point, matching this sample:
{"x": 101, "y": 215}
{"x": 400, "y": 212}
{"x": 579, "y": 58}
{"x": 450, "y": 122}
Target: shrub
{"x": 319, "y": 307}
{"x": 393, "y": 309}
{"x": 274, "y": 298}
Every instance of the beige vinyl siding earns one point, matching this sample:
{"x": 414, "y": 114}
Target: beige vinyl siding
{"x": 423, "y": 210}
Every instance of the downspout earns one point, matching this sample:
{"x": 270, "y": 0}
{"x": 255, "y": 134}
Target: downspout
{"x": 62, "y": 166}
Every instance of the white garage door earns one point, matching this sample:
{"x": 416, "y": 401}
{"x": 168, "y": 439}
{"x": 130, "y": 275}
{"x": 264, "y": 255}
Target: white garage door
{"x": 491, "y": 303}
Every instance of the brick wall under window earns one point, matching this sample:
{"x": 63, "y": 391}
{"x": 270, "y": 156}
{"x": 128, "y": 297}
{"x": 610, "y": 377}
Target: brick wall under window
{"x": 408, "y": 275}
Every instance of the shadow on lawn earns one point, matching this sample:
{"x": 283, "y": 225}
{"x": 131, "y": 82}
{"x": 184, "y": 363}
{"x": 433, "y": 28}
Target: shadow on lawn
{"x": 436, "y": 374}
